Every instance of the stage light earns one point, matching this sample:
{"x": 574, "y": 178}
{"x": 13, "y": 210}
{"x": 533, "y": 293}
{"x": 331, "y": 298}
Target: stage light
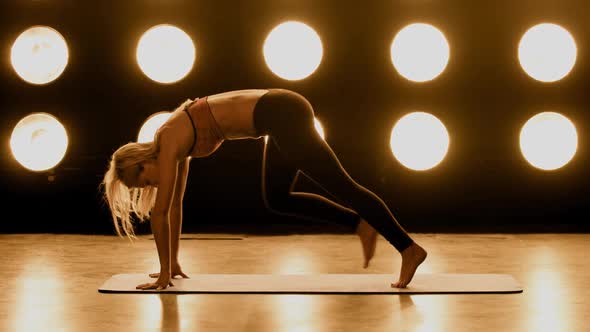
{"x": 547, "y": 52}
{"x": 39, "y": 55}
{"x": 419, "y": 141}
{"x": 548, "y": 140}
{"x": 419, "y": 52}
{"x": 165, "y": 53}
{"x": 151, "y": 125}
{"x": 319, "y": 128}
{"x": 293, "y": 50}
{"x": 39, "y": 142}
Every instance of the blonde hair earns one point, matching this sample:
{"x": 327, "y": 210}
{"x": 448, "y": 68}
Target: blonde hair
{"x": 123, "y": 201}
{"x": 124, "y": 164}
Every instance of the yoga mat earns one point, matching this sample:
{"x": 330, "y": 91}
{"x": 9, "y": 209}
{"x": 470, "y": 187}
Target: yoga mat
{"x": 318, "y": 283}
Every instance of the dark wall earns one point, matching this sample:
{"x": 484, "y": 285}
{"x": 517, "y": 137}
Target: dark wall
{"x": 483, "y": 97}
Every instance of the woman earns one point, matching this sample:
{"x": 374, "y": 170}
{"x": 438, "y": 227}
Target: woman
{"x": 149, "y": 179}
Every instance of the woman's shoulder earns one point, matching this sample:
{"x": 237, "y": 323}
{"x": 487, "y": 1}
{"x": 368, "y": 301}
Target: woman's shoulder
{"x": 169, "y": 140}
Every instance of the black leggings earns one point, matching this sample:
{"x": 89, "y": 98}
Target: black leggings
{"x": 294, "y": 145}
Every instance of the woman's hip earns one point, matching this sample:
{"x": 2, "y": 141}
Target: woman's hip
{"x": 279, "y": 108}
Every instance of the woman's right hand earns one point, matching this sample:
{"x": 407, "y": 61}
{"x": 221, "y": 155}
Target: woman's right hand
{"x": 174, "y": 271}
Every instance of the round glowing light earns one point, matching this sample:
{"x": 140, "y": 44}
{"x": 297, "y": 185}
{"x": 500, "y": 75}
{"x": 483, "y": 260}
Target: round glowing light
{"x": 39, "y": 55}
{"x": 293, "y": 50}
{"x": 165, "y": 53}
{"x": 420, "y": 52}
{"x": 319, "y": 128}
{"x": 547, "y": 52}
{"x": 419, "y": 141}
{"x": 151, "y": 125}
{"x": 39, "y": 142}
{"x": 548, "y": 140}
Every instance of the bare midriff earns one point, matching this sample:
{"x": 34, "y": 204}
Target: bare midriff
{"x": 234, "y": 112}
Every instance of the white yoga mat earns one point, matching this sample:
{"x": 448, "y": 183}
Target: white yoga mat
{"x": 318, "y": 283}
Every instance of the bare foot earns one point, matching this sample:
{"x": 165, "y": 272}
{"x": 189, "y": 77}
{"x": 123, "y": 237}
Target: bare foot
{"x": 368, "y": 237}
{"x": 412, "y": 257}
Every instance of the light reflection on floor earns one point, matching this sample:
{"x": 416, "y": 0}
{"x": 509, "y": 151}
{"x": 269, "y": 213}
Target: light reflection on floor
{"x": 52, "y": 285}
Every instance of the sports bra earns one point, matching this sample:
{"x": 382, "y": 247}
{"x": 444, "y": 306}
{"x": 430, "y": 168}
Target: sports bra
{"x": 207, "y": 136}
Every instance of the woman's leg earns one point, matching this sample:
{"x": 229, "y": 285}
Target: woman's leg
{"x": 278, "y": 179}
{"x": 288, "y": 118}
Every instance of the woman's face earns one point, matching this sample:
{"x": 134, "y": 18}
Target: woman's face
{"x": 140, "y": 177}
{"x": 148, "y": 175}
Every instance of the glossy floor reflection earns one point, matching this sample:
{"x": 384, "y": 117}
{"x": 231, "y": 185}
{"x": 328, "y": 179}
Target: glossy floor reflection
{"x": 50, "y": 283}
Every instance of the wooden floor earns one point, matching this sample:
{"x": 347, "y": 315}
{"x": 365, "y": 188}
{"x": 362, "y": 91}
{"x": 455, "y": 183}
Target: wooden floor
{"x": 49, "y": 283}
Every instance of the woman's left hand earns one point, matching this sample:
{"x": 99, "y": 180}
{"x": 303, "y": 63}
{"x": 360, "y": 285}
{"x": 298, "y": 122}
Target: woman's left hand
{"x": 162, "y": 282}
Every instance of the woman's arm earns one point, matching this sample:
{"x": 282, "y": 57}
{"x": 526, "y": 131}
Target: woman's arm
{"x": 160, "y": 221}
{"x": 176, "y": 210}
